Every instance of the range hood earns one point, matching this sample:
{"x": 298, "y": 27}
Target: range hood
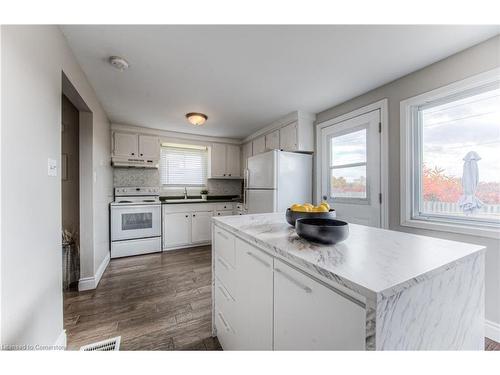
{"x": 118, "y": 162}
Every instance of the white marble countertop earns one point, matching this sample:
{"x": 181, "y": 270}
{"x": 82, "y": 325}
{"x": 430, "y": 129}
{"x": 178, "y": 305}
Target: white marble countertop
{"x": 372, "y": 262}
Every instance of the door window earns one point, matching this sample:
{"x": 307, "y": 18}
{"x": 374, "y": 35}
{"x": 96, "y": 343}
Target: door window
{"x": 140, "y": 220}
{"x": 347, "y": 163}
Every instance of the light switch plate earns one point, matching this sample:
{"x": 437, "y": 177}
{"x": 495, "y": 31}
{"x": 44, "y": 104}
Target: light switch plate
{"x": 52, "y": 167}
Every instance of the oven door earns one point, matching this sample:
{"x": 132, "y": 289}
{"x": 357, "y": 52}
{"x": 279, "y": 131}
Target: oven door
{"x": 130, "y": 222}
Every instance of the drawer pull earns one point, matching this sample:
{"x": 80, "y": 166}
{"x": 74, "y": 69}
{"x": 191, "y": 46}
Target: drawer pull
{"x": 258, "y": 259}
{"x": 299, "y": 284}
{"x": 220, "y": 233}
{"x": 226, "y": 266}
{"x": 226, "y": 326}
{"x": 224, "y": 293}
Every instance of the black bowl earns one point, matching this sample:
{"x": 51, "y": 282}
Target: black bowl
{"x": 324, "y": 231}
{"x": 292, "y": 216}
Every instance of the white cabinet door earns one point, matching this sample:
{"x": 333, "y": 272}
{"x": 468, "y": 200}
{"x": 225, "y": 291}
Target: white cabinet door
{"x": 254, "y": 324}
{"x": 218, "y": 160}
{"x": 149, "y": 147}
{"x": 232, "y": 161}
{"x": 223, "y": 213}
{"x": 259, "y": 145}
{"x": 288, "y": 137}
{"x": 311, "y": 316}
{"x": 176, "y": 229}
{"x": 125, "y": 145}
{"x": 201, "y": 226}
{"x": 273, "y": 140}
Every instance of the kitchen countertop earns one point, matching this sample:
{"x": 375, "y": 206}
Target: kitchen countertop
{"x": 373, "y": 262}
{"x": 214, "y": 199}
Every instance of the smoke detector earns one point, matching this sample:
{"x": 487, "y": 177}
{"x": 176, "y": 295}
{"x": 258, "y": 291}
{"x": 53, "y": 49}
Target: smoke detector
{"x": 118, "y": 63}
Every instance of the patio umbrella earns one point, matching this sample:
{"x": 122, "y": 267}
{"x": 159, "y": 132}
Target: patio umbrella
{"x": 468, "y": 201}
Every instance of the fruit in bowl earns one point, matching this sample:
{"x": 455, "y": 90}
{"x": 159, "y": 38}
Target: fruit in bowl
{"x": 307, "y": 210}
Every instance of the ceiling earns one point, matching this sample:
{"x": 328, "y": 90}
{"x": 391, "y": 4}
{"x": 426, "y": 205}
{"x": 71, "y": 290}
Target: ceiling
{"x": 245, "y": 77}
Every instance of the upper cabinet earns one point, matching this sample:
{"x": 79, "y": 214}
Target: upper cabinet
{"x": 273, "y": 140}
{"x": 125, "y": 145}
{"x": 246, "y": 152}
{"x": 224, "y": 161}
{"x": 259, "y": 145}
{"x": 149, "y": 147}
{"x": 294, "y": 132}
{"x": 136, "y": 146}
{"x": 288, "y": 137}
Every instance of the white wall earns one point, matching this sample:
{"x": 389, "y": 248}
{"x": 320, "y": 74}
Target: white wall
{"x": 480, "y": 58}
{"x": 33, "y": 59}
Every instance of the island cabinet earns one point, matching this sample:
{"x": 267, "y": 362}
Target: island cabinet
{"x": 262, "y": 303}
{"x": 310, "y": 315}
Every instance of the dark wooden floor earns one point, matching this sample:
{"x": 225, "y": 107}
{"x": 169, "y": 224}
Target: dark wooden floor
{"x": 154, "y": 302}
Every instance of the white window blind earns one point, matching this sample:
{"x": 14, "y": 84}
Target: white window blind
{"x": 183, "y": 166}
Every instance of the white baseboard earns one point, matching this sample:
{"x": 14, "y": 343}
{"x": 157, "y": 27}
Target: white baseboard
{"x": 88, "y": 283}
{"x": 492, "y": 330}
{"x": 60, "y": 343}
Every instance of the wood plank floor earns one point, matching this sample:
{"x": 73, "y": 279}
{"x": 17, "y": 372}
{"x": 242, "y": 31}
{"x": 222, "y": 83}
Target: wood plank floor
{"x": 154, "y": 302}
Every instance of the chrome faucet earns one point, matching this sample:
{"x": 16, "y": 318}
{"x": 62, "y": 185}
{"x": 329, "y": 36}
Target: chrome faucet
{"x": 185, "y": 193}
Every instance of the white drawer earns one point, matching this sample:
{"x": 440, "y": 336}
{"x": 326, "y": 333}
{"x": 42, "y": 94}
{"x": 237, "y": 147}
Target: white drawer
{"x": 226, "y": 274}
{"x": 225, "y": 302}
{"x": 225, "y": 333}
{"x": 224, "y": 206}
{"x": 225, "y": 246}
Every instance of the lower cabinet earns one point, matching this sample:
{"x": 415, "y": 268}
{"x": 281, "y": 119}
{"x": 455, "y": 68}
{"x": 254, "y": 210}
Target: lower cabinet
{"x": 262, "y": 303}
{"x": 176, "y": 229}
{"x": 201, "y": 226}
{"x": 311, "y": 316}
{"x": 254, "y": 280}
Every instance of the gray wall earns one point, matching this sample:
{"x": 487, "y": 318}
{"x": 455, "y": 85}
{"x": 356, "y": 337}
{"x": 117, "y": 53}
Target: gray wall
{"x": 32, "y": 61}
{"x": 480, "y": 58}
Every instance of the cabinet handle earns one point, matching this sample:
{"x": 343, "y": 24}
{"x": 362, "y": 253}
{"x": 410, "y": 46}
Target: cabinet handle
{"x": 142, "y": 154}
{"x": 224, "y": 293}
{"x": 187, "y": 215}
{"x": 226, "y": 266}
{"x": 226, "y": 326}
{"x": 229, "y": 174}
{"x": 258, "y": 259}
{"x": 133, "y": 153}
{"x": 194, "y": 215}
{"x": 224, "y": 174}
{"x": 299, "y": 284}
{"x": 220, "y": 233}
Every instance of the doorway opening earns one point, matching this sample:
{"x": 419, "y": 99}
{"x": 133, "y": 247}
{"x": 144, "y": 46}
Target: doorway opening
{"x": 70, "y": 194}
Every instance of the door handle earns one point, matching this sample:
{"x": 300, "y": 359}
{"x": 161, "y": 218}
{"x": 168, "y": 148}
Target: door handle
{"x": 258, "y": 259}
{"x": 291, "y": 279}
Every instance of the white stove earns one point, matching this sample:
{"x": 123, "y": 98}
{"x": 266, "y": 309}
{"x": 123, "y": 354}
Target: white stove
{"x": 135, "y": 221}
{"x": 136, "y": 195}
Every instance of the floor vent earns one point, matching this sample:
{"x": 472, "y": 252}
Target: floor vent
{"x": 112, "y": 344}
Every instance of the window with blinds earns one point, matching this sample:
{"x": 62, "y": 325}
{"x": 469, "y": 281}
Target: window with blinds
{"x": 183, "y": 166}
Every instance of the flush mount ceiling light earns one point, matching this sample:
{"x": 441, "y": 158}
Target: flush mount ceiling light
{"x": 118, "y": 63}
{"x": 196, "y": 118}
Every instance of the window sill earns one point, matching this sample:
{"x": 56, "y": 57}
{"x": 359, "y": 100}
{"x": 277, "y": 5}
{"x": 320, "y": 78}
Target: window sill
{"x": 477, "y": 230}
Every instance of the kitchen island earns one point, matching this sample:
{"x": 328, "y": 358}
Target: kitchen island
{"x": 378, "y": 290}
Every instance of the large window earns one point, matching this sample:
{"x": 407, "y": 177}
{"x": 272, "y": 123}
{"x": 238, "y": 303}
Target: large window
{"x": 453, "y": 152}
{"x": 183, "y": 165}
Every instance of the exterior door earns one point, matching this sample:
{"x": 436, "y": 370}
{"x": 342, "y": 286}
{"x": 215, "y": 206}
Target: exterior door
{"x": 350, "y": 169}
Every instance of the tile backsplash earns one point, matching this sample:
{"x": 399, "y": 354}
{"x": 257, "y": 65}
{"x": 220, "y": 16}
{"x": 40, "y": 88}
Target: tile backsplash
{"x": 124, "y": 177}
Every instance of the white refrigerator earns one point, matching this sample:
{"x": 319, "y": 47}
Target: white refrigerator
{"x": 274, "y": 180}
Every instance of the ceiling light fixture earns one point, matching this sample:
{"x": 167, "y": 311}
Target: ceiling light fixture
{"x": 118, "y": 63}
{"x": 196, "y": 118}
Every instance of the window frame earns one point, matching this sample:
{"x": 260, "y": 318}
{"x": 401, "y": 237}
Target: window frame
{"x": 187, "y": 147}
{"x": 412, "y": 153}
{"x": 329, "y": 166}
